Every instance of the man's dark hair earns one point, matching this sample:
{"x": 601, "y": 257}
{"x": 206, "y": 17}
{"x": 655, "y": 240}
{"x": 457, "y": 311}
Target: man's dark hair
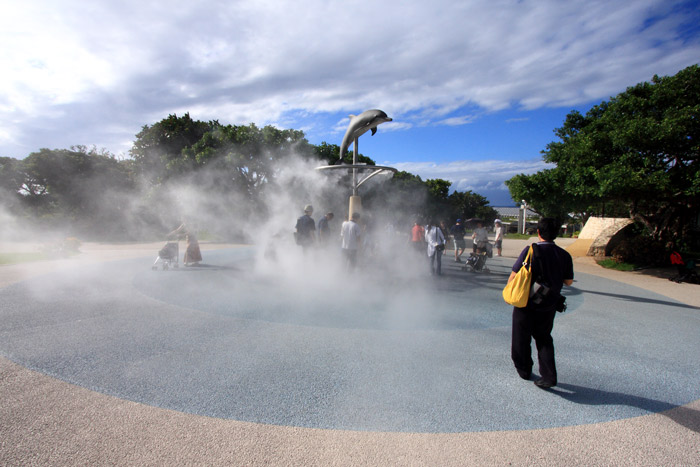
{"x": 548, "y": 228}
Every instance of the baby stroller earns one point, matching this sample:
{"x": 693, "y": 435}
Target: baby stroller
{"x": 168, "y": 256}
{"x": 477, "y": 261}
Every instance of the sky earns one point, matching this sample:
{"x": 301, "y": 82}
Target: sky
{"x": 475, "y": 88}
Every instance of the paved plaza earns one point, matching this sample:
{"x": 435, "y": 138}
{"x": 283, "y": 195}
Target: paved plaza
{"x": 104, "y": 361}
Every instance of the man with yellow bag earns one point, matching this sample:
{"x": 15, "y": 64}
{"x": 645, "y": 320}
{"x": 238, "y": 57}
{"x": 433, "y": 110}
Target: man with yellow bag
{"x": 552, "y": 268}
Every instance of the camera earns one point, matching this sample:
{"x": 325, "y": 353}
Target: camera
{"x": 538, "y": 293}
{"x": 561, "y": 304}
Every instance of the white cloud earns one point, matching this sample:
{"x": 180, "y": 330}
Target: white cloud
{"x": 456, "y": 121}
{"x": 483, "y": 177}
{"x": 72, "y": 68}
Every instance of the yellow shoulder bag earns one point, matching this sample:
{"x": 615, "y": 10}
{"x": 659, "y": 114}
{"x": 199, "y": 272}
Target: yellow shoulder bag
{"x": 517, "y": 291}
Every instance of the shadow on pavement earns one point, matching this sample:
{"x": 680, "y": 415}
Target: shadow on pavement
{"x": 632, "y": 298}
{"x": 684, "y": 416}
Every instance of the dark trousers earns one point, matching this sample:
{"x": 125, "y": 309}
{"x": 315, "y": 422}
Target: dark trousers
{"x": 537, "y": 324}
{"x": 350, "y": 259}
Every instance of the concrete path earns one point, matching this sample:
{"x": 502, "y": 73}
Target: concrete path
{"x": 117, "y": 383}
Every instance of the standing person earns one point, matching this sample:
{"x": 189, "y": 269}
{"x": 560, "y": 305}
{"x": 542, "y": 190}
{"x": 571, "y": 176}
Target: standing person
{"x": 480, "y": 237}
{"x": 552, "y": 266}
{"x": 193, "y": 254}
{"x": 306, "y": 228}
{"x": 445, "y": 231}
{"x": 458, "y": 232}
{"x": 436, "y": 245}
{"x": 351, "y": 234}
{"x": 499, "y": 237}
{"x": 324, "y": 229}
{"x": 417, "y": 236}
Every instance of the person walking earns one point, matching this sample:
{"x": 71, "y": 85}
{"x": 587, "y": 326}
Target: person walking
{"x": 436, "y": 245}
{"x": 324, "y": 229}
{"x": 458, "y": 232}
{"x": 193, "y": 255}
{"x": 306, "y": 229}
{"x": 553, "y": 267}
{"x": 351, "y": 235}
{"x": 480, "y": 238}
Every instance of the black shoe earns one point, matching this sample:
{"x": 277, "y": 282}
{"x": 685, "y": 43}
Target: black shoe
{"x": 524, "y": 374}
{"x": 544, "y": 384}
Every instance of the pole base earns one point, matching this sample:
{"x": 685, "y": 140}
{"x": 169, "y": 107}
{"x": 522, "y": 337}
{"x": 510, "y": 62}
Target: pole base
{"x": 355, "y": 206}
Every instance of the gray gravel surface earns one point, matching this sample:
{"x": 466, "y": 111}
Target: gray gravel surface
{"x": 112, "y": 364}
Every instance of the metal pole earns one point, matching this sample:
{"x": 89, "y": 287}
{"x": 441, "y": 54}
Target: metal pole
{"x": 354, "y": 171}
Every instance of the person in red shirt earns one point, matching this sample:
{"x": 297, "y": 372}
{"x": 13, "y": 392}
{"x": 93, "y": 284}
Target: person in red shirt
{"x": 418, "y": 237}
{"x": 685, "y": 268}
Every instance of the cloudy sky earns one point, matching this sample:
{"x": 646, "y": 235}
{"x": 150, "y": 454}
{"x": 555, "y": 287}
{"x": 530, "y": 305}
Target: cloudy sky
{"x": 475, "y": 88}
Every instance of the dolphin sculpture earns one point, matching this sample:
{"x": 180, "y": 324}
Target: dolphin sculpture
{"x": 359, "y": 125}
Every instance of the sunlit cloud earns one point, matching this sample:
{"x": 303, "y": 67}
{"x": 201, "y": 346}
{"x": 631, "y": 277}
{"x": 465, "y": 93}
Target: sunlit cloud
{"x": 484, "y": 177}
{"x": 71, "y": 70}
{"x": 456, "y": 121}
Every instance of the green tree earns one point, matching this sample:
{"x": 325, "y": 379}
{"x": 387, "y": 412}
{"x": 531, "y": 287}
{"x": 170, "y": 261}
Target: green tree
{"x": 438, "y": 188}
{"x": 158, "y": 149}
{"x": 11, "y": 179}
{"x": 438, "y": 191}
{"x": 246, "y": 156}
{"x": 466, "y": 205}
{"x": 543, "y": 193}
{"x": 400, "y": 200}
{"x": 639, "y": 151}
{"x": 86, "y": 188}
{"x": 330, "y": 153}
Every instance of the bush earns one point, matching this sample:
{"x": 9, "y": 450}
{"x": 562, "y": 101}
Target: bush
{"x": 640, "y": 250}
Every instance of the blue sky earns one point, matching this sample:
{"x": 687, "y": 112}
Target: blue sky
{"x": 475, "y": 88}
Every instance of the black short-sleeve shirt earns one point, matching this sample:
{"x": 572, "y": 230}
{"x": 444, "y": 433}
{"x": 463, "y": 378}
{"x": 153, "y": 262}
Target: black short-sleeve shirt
{"x": 552, "y": 264}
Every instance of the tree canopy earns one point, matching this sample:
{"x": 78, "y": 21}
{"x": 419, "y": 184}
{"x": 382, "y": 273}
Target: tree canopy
{"x": 80, "y": 187}
{"x": 228, "y": 169}
{"x": 637, "y": 153}
{"x": 469, "y": 205}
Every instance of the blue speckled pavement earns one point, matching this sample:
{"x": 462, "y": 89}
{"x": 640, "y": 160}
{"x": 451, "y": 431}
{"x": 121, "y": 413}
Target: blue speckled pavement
{"x": 384, "y": 355}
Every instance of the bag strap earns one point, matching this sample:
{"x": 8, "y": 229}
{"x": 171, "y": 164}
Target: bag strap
{"x": 536, "y": 255}
{"x": 527, "y": 262}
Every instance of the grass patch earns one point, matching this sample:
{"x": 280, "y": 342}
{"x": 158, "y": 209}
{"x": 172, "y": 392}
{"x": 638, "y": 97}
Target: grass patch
{"x": 14, "y": 258}
{"x": 612, "y": 264}
{"x": 26, "y": 257}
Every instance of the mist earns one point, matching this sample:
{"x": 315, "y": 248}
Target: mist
{"x": 390, "y": 276}
{"x": 259, "y": 322}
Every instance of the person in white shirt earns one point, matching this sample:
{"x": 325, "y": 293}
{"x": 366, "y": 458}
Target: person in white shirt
{"x": 481, "y": 237}
{"x": 436, "y": 245}
{"x": 499, "y": 237}
{"x": 350, "y": 234}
